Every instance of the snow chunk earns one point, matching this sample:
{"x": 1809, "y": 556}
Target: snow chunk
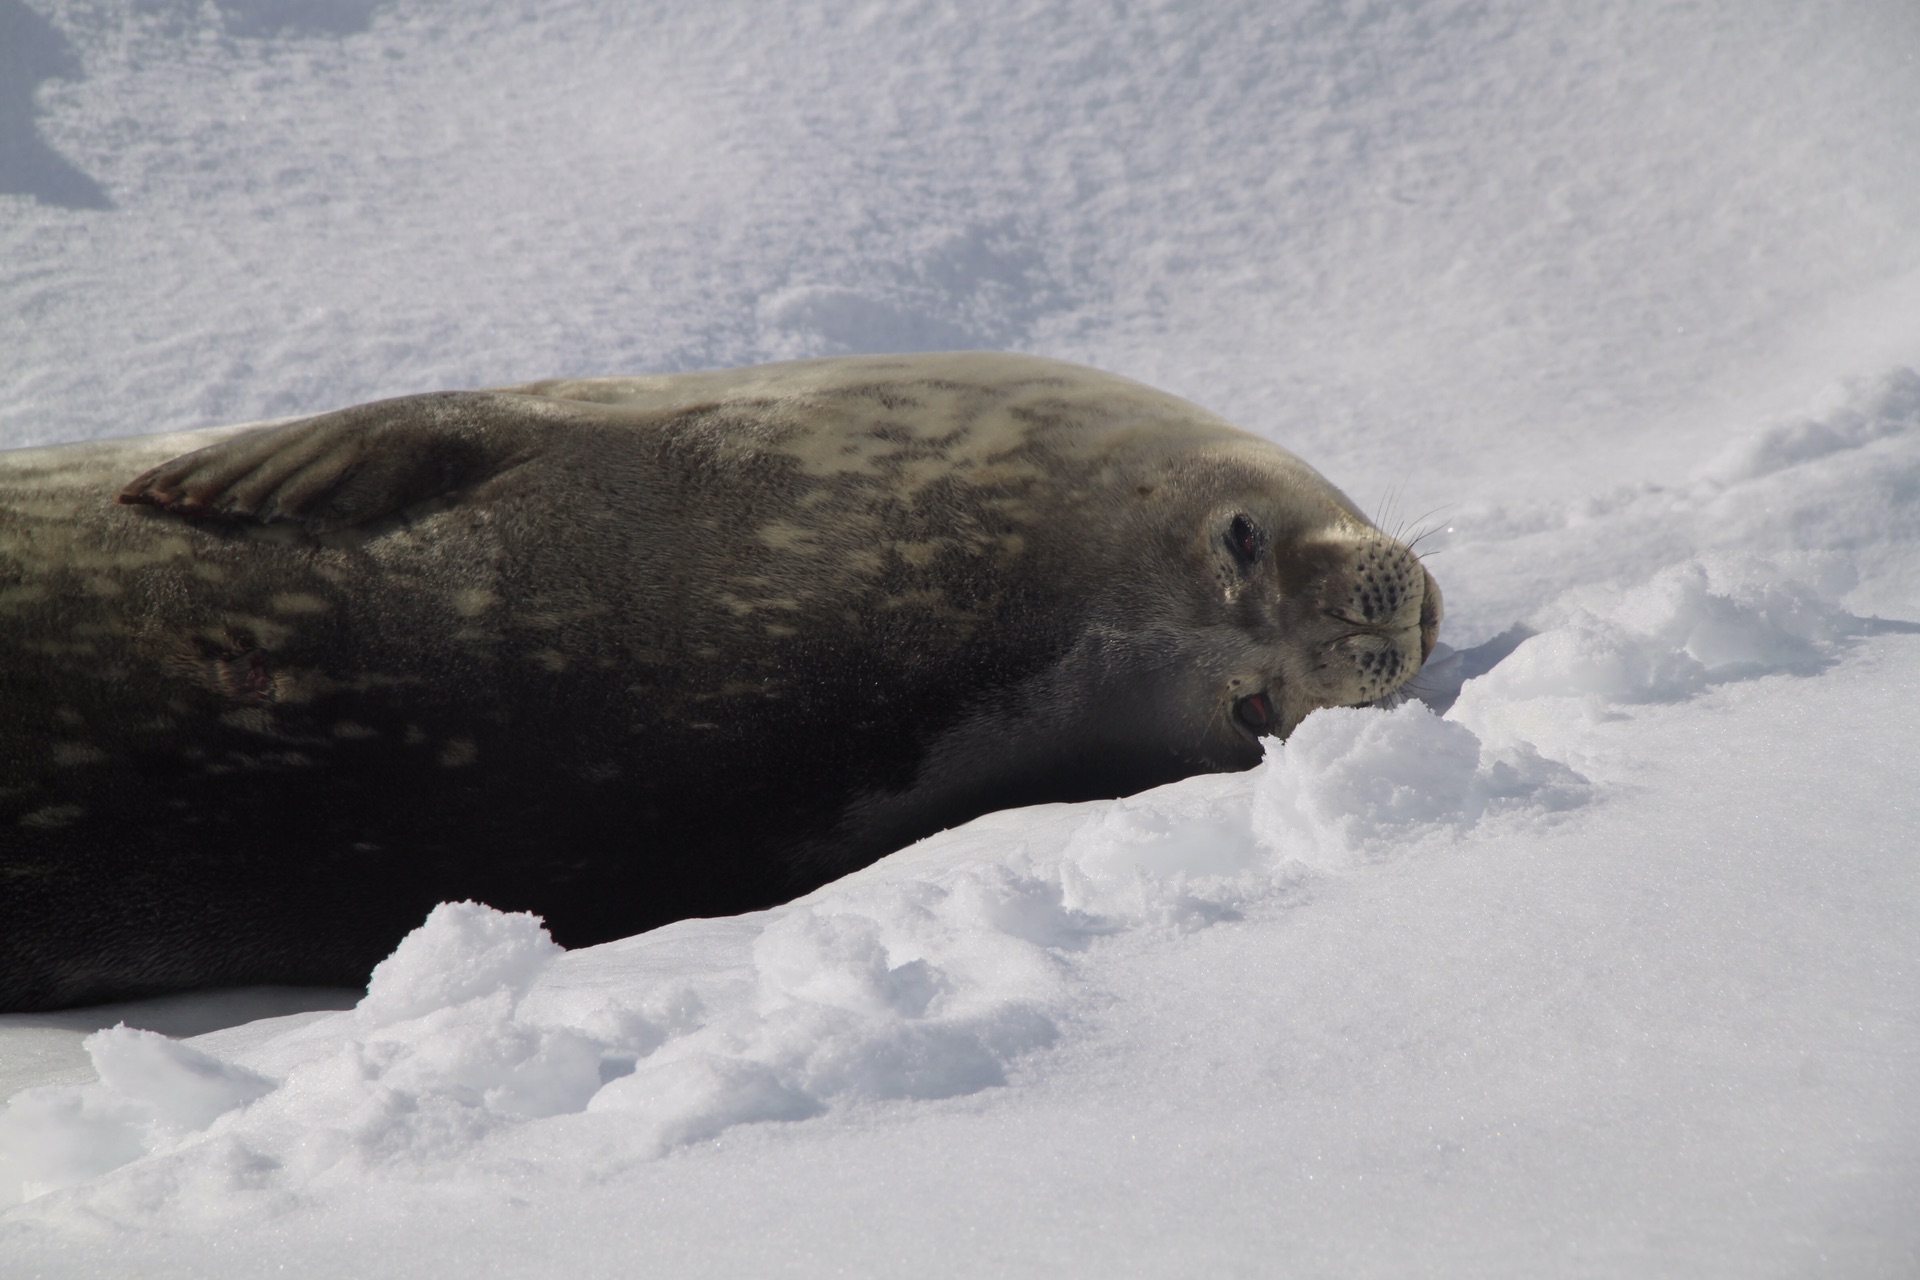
{"x": 462, "y": 952}
{"x": 1354, "y": 781}
{"x": 480, "y": 1055}
{"x": 184, "y": 1088}
{"x": 840, "y": 960}
{"x": 152, "y": 1092}
{"x": 434, "y": 1058}
{"x": 1351, "y": 780}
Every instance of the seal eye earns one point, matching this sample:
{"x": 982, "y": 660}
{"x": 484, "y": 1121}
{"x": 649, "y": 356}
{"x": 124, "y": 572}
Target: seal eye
{"x": 1245, "y": 541}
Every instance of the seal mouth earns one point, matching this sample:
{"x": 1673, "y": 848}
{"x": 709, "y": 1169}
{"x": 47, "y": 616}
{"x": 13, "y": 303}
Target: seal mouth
{"x": 1254, "y": 713}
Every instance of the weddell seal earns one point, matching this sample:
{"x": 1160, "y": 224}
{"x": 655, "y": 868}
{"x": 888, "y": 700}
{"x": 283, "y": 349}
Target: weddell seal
{"x": 620, "y": 651}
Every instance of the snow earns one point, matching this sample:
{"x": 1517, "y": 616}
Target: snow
{"x": 1600, "y": 961}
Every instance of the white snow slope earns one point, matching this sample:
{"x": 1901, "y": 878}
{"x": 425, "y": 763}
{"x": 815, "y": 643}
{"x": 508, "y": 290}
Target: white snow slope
{"x": 1612, "y": 970}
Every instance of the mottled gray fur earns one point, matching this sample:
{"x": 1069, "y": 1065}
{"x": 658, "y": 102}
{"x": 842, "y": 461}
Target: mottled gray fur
{"x": 984, "y": 572}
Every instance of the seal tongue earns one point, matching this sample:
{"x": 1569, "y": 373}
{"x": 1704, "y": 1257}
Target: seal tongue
{"x": 1255, "y": 712}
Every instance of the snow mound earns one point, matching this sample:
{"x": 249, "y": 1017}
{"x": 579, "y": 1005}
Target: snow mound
{"x": 153, "y": 1092}
{"x": 1860, "y": 415}
{"x": 463, "y": 952}
{"x": 1357, "y": 783}
{"x": 933, "y": 981}
{"x": 1602, "y": 653}
{"x": 1825, "y": 501}
{"x": 1711, "y": 620}
{"x": 1693, "y": 625}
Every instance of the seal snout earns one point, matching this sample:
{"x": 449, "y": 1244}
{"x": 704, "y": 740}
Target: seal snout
{"x": 1386, "y": 608}
{"x": 1387, "y": 579}
{"x": 1432, "y": 610}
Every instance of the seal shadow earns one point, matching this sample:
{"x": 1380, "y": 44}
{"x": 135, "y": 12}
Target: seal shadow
{"x": 1438, "y": 682}
{"x": 33, "y": 50}
{"x": 1877, "y": 626}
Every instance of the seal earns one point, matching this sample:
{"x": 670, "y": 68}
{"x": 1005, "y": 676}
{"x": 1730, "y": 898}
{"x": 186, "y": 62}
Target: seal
{"x": 624, "y": 650}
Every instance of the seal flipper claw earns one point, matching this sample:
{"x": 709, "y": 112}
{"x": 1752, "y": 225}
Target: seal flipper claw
{"x": 347, "y": 468}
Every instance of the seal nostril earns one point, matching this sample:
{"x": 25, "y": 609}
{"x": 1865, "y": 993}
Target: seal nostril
{"x": 1255, "y": 712}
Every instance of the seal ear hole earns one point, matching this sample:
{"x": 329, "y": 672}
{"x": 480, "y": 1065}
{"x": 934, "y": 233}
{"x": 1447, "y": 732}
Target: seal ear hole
{"x": 1245, "y": 540}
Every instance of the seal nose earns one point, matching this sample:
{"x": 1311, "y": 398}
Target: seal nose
{"x": 1431, "y": 611}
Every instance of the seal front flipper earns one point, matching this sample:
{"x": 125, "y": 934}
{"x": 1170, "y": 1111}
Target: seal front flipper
{"x": 353, "y": 466}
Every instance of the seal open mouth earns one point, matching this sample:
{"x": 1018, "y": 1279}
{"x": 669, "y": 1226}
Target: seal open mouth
{"x": 1254, "y": 712}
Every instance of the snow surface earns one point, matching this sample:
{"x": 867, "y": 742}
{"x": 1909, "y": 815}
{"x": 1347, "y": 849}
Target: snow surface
{"x": 1611, "y": 970}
